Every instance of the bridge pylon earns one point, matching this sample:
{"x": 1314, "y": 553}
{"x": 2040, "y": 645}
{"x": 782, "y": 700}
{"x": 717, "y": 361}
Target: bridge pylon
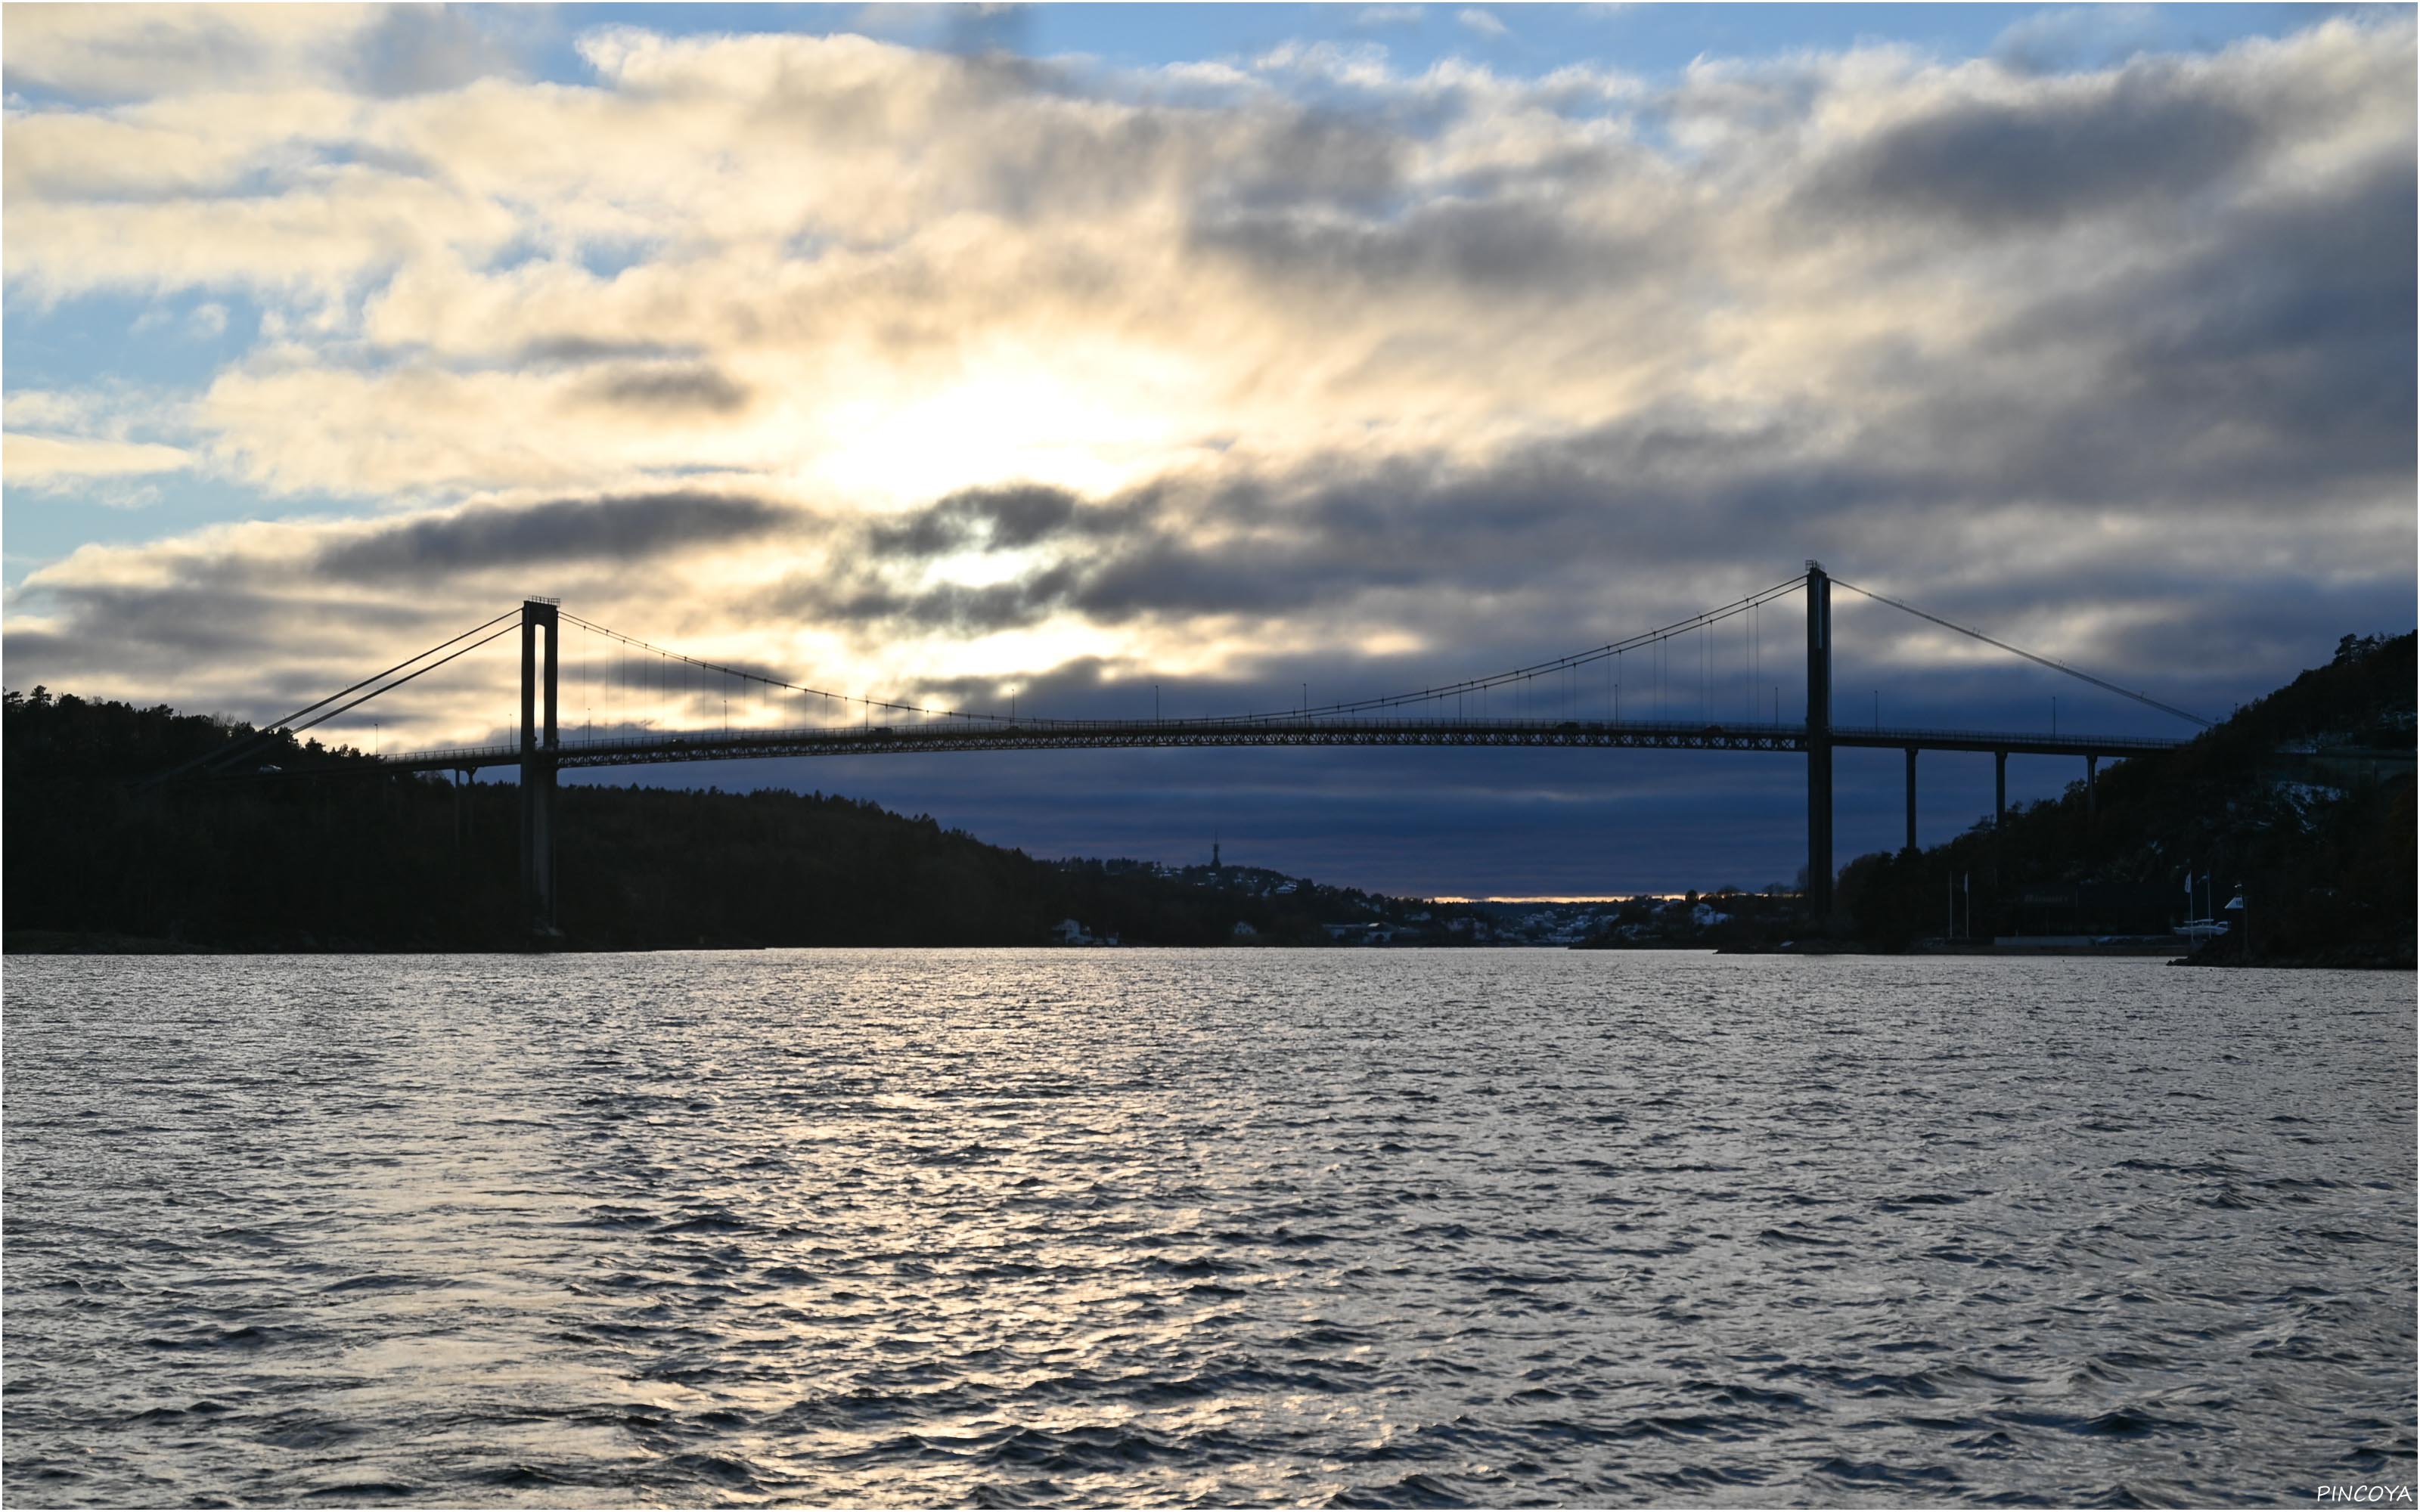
{"x": 539, "y": 758}
{"x": 1819, "y": 744}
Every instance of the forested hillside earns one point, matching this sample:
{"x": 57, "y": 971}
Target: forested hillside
{"x": 2321, "y": 843}
{"x": 355, "y": 860}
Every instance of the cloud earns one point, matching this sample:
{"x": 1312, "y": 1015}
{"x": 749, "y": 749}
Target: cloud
{"x": 416, "y": 48}
{"x": 206, "y": 321}
{"x": 988, "y": 29}
{"x": 54, "y": 409}
{"x": 1362, "y": 65}
{"x": 54, "y": 461}
{"x": 1427, "y": 550}
{"x": 1482, "y": 22}
{"x": 977, "y": 519}
{"x": 1993, "y": 163}
{"x": 694, "y": 388}
{"x": 646, "y": 527}
{"x": 123, "y": 52}
{"x": 2097, "y": 36}
{"x": 258, "y": 614}
{"x": 1515, "y": 247}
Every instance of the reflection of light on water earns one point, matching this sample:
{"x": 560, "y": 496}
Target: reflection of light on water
{"x": 841, "y": 1226}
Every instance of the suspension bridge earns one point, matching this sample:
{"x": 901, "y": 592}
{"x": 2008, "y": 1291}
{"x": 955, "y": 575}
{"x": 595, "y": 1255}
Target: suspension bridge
{"x": 1441, "y": 716}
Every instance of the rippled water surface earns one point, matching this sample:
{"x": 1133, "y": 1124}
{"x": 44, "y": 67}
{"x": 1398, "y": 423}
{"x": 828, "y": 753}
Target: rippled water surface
{"x": 1015, "y": 1228}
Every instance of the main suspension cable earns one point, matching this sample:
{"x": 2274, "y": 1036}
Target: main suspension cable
{"x": 298, "y": 729}
{"x": 668, "y": 655}
{"x": 263, "y": 733}
{"x": 1517, "y": 675}
{"x": 2053, "y": 663}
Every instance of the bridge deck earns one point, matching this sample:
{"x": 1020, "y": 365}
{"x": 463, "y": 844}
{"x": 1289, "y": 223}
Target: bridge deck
{"x": 654, "y": 749}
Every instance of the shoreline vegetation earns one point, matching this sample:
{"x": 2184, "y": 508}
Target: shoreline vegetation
{"x": 2298, "y": 807}
{"x": 2301, "y": 804}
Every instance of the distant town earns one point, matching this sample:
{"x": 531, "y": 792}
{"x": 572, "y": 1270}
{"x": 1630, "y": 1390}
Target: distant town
{"x": 1347, "y": 916}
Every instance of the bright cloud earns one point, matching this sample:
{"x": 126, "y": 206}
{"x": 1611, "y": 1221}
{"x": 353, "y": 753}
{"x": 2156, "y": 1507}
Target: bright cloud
{"x": 43, "y": 461}
{"x": 146, "y": 50}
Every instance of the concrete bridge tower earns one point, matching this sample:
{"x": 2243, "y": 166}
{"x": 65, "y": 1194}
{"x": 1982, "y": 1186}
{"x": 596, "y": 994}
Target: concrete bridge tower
{"x": 1819, "y": 744}
{"x": 537, "y": 763}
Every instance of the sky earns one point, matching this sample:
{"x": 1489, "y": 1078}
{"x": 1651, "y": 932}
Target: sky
{"x": 1222, "y": 356}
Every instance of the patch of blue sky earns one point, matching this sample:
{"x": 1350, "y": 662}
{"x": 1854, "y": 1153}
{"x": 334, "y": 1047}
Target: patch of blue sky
{"x": 521, "y": 251}
{"x": 810, "y": 245}
{"x": 600, "y": 257}
{"x": 26, "y": 97}
{"x": 174, "y": 342}
{"x": 1656, "y": 41}
{"x": 348, "y": 155}
{"x": 43, "y": 526}
{"x": 609, "y": 260}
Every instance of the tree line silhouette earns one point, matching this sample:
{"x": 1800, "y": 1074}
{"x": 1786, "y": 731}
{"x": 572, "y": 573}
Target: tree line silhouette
{"x": 2321, "y": 846}
{"x": 354, "y": 858}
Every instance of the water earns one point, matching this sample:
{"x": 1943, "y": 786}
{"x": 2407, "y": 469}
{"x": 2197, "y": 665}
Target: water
{"x": 1228, "y": 1226}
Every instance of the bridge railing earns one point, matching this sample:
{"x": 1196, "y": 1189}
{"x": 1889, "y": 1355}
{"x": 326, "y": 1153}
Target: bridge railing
{"x": 1054, "y": 728}
{"x": 1859, "y": 734}
{"x": 988, "y": 732}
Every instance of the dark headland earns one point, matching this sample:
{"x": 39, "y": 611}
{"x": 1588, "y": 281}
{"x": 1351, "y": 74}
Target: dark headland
{"x": 2298, "y": 805}
{"x": 2302, "y": 801}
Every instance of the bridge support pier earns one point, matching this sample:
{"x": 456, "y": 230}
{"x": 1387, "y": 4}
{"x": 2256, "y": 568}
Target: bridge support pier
{"x": 1999, "y": 829}
{"x": 2091, "y": 787}
{"x": 1818, "y": 746}
{"x": 1911, "y": 800}
{"x": 537, "y": 765}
